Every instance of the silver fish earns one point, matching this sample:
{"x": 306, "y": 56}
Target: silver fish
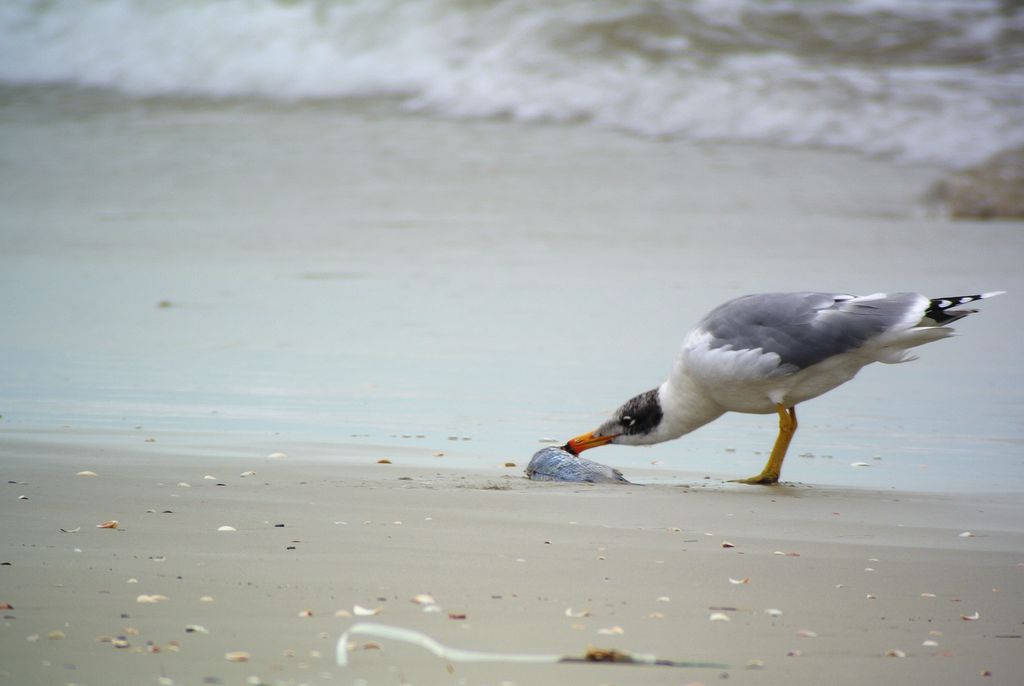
{"x": 556, "y": 464}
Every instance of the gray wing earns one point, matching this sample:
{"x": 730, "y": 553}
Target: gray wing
{"x": 806, "y": 328}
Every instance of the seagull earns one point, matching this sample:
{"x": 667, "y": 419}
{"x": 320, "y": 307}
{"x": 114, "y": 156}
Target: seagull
{"x": 769, "y": 352}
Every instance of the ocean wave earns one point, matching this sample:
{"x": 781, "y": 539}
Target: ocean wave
{"x": 938, "y": 81}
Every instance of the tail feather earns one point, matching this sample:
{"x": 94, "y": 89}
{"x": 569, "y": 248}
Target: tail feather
{"x": 940, "y": 312}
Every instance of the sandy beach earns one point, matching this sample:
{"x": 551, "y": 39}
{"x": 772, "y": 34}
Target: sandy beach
{"x": 794, "y": 584}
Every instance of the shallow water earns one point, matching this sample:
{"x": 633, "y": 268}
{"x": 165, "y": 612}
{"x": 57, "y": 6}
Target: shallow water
{"x": 344, "y": 273}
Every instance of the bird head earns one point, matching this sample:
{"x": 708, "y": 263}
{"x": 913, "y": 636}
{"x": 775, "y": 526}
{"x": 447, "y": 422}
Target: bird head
{"x": 632, "y": 424}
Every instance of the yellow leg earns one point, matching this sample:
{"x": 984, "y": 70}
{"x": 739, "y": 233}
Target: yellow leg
{"x": 771, "y": 471}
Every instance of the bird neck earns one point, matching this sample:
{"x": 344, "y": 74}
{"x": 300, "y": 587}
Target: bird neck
{"x": 686, "y": 406}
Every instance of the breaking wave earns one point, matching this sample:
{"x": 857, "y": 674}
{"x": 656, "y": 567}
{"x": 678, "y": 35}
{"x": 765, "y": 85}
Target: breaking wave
{"x": 938, "y": 81}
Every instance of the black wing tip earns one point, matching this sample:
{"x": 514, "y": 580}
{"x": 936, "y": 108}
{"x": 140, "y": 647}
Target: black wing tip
{"x": 940, "y": 309}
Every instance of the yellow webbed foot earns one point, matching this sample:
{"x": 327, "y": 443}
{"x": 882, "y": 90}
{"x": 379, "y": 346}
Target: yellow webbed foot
{"x": 761, "y": 479}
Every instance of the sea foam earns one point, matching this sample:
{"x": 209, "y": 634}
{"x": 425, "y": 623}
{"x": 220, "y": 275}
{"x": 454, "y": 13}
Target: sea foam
{"x": 939, "y": 81}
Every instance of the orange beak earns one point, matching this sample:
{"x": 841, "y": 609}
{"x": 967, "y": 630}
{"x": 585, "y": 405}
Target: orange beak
{"x": 585, "y": 442}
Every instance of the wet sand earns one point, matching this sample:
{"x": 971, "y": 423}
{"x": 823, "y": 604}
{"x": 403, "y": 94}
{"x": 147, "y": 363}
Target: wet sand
{"x": 349, "y": 274}
{"x": 856, "y": 574}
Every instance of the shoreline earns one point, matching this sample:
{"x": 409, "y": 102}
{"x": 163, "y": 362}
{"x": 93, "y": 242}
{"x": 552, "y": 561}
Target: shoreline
{"x": 637, "y": 568}
{"x": 120, "y": 447}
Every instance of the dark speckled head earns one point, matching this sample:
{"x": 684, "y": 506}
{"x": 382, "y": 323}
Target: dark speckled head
{"x": 632, "y": 423}
{"x": 639, "y": 415}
